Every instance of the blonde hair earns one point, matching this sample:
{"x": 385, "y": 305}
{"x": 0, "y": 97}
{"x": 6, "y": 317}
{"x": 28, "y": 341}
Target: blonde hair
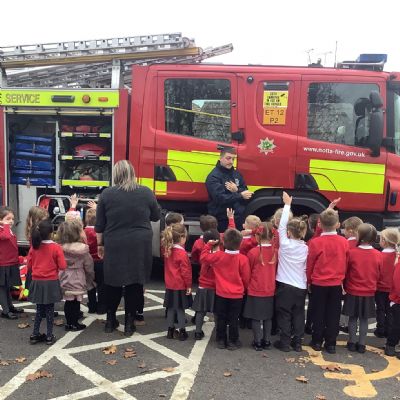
{"x": 124, "y": 176}
{"x": 171, "y": 235}
{"x": 69, "y": 232}
{"x": 35, "y": 215}
{"x": 392, "y": 237}
{"x": 276, "y": 218}
{"x": 352, "y": 224}
{"x": 252, "y": 222}
{"x": 90, "y": 217}
{"x": 297, "y": 227}
{"x": 329, "y": 219}
{"x": 73, "y": 215}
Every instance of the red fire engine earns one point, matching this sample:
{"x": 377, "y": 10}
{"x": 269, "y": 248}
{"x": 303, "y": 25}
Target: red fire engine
{"x": 321, "y": 133}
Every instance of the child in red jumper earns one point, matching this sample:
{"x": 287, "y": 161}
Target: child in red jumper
{"x": 207, "y": 222}
{"x": 394, "y": 297}
{"x": 178, "y": 278}
{"x": 205, "y": 294}
{"x": 45, "y": 260}
{"x": 326, "y": 267}
{"x": 350, "y": 226}
{"x": 261, "y": 290}
{"x": 96, "y": 296}
{"x": 9, "y": 270}
{"x": 363, "y": 265}
{"x": 249, "y": 241}
{"x": 232, "y": 274}
{"x": 389, "y": 240}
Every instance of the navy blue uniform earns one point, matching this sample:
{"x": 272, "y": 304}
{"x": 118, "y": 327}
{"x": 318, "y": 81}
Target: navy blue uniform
{"x": 221, "y": 198}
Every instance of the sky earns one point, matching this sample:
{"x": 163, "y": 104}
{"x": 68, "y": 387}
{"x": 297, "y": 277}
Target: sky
{"x": 262, "y": 32}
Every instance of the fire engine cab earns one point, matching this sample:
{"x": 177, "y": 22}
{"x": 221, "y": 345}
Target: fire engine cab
{"x": 320, "y": 133}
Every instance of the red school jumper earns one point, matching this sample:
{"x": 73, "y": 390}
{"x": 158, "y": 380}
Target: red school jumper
{"x": 262, "y": 276}
{"x": 177, "y": 269}
{"x": 8, "y": 247}
{"x": 46, "y": 261}
{"x": 326, "y": 261}
{"x": 231, "y": 269}
{"x": 364, "y": 263}
{"x": 92, "y": 242}
{"x": 394, "y": 295}
{"x": 386, "y": 272}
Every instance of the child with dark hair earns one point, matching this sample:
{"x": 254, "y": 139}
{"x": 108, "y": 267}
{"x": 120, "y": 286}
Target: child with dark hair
{"x": 173, "y": 218}
{"x": 205, "y": 294}
{"x": 259, "y": 306}
{"x": 9, "y": 270}
{"x": 363, "y": 266}
{"x": 232, "y": 274}
{"x": 45, "y": 261}
{"x": 207, "y": 222}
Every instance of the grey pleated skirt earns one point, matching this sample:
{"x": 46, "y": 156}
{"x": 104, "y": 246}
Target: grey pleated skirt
{"x": 177, "y": 299}
{"x": 204, "y": 300}
{"x": 259, "y": 308}
{"x": 45, "y": 292}
{"x": 10, "y": 275}
{"x": 359, "y": 306}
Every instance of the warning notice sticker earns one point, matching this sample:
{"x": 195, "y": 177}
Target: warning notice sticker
{"x": 275, "y": 103}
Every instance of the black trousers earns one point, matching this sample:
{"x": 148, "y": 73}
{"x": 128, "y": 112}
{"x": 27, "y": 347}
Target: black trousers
{"x": 309, "y": 318}
{"x": 290, "y": 303}
{"x": 227, "y": 311}
{"x": 394, "y": 333}
{"x": 132, "y": 297}
{"x": 327, "y": 305}
{"x": 71, "y": 311}
{"x": 383, "y": 314}
{"x": 96, "y": 296}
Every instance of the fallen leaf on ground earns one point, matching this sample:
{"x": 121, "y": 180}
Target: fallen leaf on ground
{"x": 374, "y": 370}
{"x": 290, "y": 360}
{"x": 162, "y": 395}
{"x": 130, "y": 354}
{"x": 4, "y": 363}
{"x": 38, "y": 374}
{"x": 20, "y": 360}
{"x": 58, "y": 322}
{"x": 313, "y": 355}
{"x": 110, "y": 349}
{"x": 320, "y": 397}
{"x": 140, "y": 323}
{"x": 142, "y": 365}
{"x": 264, "y": 355}
{"x": 111, "y": 362}
{"x": 227, "y": 374}
{"x": 129, "y": 349}
{"x": 331, "y": 367}
{"x": 169, "y": 369}
{"x": 302, "y": 379}
{"x": 23, "y": 325}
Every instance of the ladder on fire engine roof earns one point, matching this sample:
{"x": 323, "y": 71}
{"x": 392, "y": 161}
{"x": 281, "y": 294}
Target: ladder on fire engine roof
{"x": 98, "y": 63}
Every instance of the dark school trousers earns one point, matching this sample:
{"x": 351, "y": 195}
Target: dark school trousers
{"x": 394, "y": 333}
{"x": 327, "y": 305}
{"x": 290, "y": 304}
{"x": 383, "y": 314}
{"x": 227, "y": 311}
{"x": 132, "y": 297}
{"x": 96, "y": 296}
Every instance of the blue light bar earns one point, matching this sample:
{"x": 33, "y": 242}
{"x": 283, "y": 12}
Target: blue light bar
{"x": 372, "y": 58}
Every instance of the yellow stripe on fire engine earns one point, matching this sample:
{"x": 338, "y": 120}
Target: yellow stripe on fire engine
{"x": 347, "y": 176}
{"x": 59, "y": 98}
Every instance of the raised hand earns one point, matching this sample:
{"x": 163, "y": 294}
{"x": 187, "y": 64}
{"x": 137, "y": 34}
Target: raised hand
{"x": 287, "y": 200}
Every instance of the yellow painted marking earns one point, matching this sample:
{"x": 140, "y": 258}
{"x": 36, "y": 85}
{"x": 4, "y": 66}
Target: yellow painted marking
{"x": 198, "y": 112}
{"x": 160, "y": 188}
{"x": 362, "y": 387}
{"x": 72, "y": 182}
{"x": 149, "y": 182}
{"x": 350, "y": 177}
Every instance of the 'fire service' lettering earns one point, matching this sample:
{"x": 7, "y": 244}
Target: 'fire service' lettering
{"x": 24, "y": 98}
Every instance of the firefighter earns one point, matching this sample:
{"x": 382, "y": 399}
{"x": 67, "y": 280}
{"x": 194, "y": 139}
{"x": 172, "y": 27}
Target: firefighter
{"x": 227, "y": 189}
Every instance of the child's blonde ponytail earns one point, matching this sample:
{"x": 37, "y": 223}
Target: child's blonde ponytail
{"x": 172, "y": 235}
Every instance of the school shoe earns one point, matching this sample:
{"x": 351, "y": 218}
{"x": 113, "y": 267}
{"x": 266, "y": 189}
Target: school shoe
{"x": 315, "y": 346}
{"x": 75, "y": 327}
{"x": 351, "y": 347}
{"x": 331, "y": 349}
{"x": 379, "y": 333}
{"x": 266, "y": 344}
{"x": 130, "y": 327}
{"x": 257, "y": 346}
{"x": 221, "y": 344}
{"x": 199, "y": 335}
{"x": 16, "y": 310}
{"x": 390, "y": 350}
{"x": 182, "y": 334}
{"x": 50, "y": 340}
{"x": 361, "y": 348}
{"x": 33, "y": 339}
{"x": 234, "y": 345}
{"x": 282, "y": 347}
{"x": 139, "y": 319}
{"x": 296, "y": 346}
{"x": 111, "y": 323}
{"x": 9, "y": 315}
{"x": 170, "y": 333}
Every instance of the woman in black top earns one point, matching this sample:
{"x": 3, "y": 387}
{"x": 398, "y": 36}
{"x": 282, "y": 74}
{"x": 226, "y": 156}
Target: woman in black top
{"x": 124, "y": 237}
